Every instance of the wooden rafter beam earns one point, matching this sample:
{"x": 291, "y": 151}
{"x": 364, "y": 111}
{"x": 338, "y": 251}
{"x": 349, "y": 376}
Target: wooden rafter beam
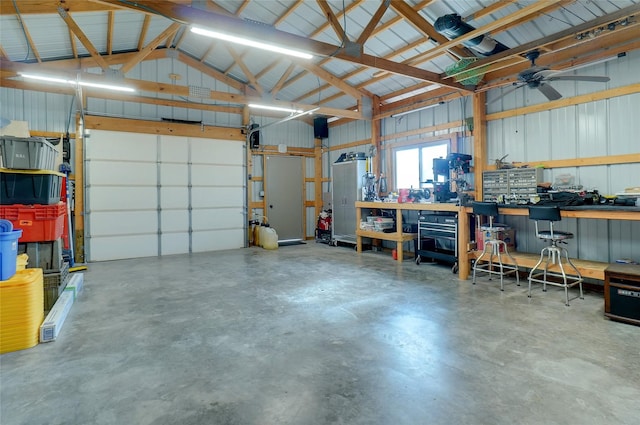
{"x": 288, "y": 12}
{"x": 283, "y": 78}
{"x": 213, "y": 73}
{"x": 30, "y": 43}
{"x": 28, "y": 7}
{"x": 375, "y": 20}
{"x": 143, "y": 31}
{"x": 333, "y": 20}
{"x": 110, "y": 22}
{"x": 208, "y": 51}
{"x": 247, "y": 72}
{"x": 170, "y": 30}
{"x": 427, "y": 29}
{"x": 492, "y": 8}
{"x": 526, "y": 11}
{"x": 181, "y": 38}
{"x": 267, "y": 69}
{"x": 244, "y": 4}
{"x": 359, "y": 70}
{"x": 259, "y": 32}
{"x": 73, "y": 26}
{"x": 74, "y": 46}
{"x": 332, "y": 79}
{"x": 155, "y": 87}
{"x": 378, "y": 30}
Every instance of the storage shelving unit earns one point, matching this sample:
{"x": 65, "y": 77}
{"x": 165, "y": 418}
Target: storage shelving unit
{"x": 512, "y": 186}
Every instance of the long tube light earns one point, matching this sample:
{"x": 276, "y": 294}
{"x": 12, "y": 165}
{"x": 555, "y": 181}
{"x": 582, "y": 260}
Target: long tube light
{"x": 57, "y": 80}
{"x": 285, "y": 119}
{"x": 251, "y": 43}
{"x": 275, "y": 108}
{"x": 399, "y": 114}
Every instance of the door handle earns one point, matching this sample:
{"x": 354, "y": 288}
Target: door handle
{"x": 270, "y": 206}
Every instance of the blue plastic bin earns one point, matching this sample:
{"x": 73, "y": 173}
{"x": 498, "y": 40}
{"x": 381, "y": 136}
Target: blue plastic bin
{"x": 9, "y": 253}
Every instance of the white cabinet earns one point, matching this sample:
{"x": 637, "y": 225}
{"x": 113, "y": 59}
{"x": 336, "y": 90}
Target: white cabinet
{"x": 346, "y": 189}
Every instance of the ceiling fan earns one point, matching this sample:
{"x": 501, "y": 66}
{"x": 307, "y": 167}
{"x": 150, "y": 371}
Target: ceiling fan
{"x": 538, "y": 77}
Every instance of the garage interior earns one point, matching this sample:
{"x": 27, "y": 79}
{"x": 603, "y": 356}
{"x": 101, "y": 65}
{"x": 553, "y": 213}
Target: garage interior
{"x": 179, "y": 145}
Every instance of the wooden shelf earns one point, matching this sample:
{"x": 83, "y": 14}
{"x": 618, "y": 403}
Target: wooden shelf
{"x": 394, "y": 236}
{"x": 588, "y": 269}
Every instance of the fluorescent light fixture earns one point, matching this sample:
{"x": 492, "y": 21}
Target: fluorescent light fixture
{"x": 105, "y": 86}
{"x": 399, "y": 114}
{"x": 250, "y": 43}
{"x": 73, "y": 82}
{"x": 46, "y": 78}
{"x": 275, "y": 108}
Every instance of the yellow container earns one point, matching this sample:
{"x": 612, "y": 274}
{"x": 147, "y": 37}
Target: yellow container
{"x": 21, "y": 310}
{"x": 21, "y": 262}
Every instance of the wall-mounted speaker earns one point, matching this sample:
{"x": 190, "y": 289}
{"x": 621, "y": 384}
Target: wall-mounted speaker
{"x": 320, "y": 128}
{"x": 254, "y": 138}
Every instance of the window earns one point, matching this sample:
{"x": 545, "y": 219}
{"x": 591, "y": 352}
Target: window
{"x": 414, "y": 165}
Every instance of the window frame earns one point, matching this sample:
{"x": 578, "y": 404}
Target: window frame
{"x": 449, "y": 139}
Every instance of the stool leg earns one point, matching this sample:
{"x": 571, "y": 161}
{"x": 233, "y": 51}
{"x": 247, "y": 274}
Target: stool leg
{"x": 546, "y": 269}
{"x": 499, "y": 255}
{"x": 564, "y": 281}
{"x": 575, "y": 269}
{"x": 484, "y": 251}
{"x": 534, "y": 269}
{"x": 515, "y": 264}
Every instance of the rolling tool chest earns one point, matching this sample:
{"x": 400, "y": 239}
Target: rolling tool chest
{"x": 438, "y": 238}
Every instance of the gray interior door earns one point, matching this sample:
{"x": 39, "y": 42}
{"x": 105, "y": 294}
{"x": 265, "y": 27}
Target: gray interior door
{"x": 283, "y": 196}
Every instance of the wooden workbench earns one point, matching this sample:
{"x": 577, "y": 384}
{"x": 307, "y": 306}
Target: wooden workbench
{"x": 401, "y": 237}
{"x": 593, "y": 269}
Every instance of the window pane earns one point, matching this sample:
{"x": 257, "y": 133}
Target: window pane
{"x": 407, "y": 169}
{"x": 428, "y": 155}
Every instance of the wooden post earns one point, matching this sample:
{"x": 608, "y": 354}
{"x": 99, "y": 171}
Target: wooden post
{"x": 479, "y": 141}
{"x": 78, "y": 211}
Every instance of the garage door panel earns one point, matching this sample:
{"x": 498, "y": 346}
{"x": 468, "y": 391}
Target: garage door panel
{"x": 217, "y": 240}
{"x": 145, "y": 192}
{"x": 174, "y": 175}
{"x": 208, "y": 151}
{"x": 109, "y": 198}
{"x": 174, "y": 149}
{"x": 208, "y": 175}
{"x": 175, "y": 243}
{"x": 207, "y": 219}
{"x": 125, "y": 246}
{"x": 174, "y": 197}
{"x": 123, "y": 223}
{"x": 174, "y": 221}
{"x": 212, "y": 197}
{"x": 115, "y": 145}
{"x": 122, "y": 173}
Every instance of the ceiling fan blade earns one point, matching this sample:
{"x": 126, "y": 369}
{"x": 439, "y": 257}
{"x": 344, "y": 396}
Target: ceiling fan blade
{"x": 592, "y": 78}
{"x": 515, "y": 87}
{"x": 549, "y": 92}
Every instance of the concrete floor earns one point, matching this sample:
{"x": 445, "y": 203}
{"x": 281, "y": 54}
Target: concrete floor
{"x": 312, "y": 334}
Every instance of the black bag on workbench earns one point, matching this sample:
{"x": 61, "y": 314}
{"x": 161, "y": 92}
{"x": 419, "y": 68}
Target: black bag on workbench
{"x": 563, "y": 199}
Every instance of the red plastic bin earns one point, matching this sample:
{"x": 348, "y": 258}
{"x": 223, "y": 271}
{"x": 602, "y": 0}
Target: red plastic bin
{"x": 39, "y": 223}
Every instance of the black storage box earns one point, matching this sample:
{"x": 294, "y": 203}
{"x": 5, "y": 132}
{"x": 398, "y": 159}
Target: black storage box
{"x": 622, "y": 293}
{"x": 30, "y": 187}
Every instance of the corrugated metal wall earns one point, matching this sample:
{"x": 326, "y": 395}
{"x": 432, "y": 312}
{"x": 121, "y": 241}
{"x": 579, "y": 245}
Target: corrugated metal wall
{"x": 600, "y": 128}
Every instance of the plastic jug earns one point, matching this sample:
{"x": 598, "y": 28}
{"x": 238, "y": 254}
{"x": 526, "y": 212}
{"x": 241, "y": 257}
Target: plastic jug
{"x": 269, "y": 238}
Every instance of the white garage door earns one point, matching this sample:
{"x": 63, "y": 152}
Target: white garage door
{"x": 151, "y": 195}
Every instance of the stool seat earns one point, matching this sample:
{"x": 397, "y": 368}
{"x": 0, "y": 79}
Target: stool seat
{"x": 557, "y": 235}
